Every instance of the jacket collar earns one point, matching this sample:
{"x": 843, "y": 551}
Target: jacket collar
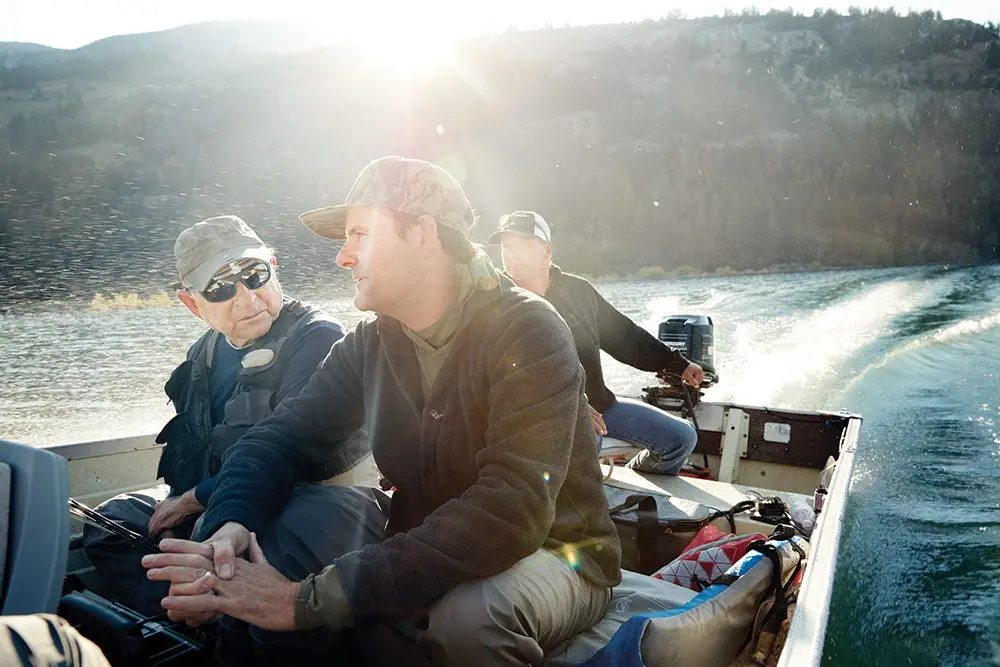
{"x": 401, "y": 356}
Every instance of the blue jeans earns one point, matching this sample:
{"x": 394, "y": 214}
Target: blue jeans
{"x": 668, "y": 440}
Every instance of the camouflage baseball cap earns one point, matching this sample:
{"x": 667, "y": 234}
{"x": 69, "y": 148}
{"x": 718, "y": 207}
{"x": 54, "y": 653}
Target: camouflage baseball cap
{"x": 205, "y": 247}
{"x": 410, "y": 186}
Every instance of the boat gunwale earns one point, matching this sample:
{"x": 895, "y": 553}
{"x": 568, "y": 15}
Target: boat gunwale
{"x": 807, "y": 633}
{"x": 74, "y": 451}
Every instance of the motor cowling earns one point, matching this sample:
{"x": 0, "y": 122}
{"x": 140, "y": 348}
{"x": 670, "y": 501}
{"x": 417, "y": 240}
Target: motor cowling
{"x": 692, "y": 336}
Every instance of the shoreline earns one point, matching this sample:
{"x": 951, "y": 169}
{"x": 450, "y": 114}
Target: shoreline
{"x": 658, "y": 273}
{"x": 153, "y": 299}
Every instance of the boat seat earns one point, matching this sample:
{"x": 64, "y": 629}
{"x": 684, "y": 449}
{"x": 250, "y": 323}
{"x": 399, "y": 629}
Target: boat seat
{"x": 613, "y": 447}
{"x": 34, "y": 529}
{"x": 616, "y": 447}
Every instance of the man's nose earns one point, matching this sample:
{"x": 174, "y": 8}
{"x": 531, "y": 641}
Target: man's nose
{"x": 346, "y": 257}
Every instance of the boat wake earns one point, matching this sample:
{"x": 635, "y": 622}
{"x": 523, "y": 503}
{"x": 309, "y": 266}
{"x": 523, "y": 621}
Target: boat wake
{"x": 792, "y": 360}
{"x": 951, "y": 337}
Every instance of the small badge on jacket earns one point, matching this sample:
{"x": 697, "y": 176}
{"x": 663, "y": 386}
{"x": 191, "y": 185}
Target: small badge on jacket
{"x": 257, "y": 358}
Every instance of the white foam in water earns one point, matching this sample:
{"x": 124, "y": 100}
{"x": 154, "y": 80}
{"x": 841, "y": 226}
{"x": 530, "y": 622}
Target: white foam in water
{"x": 967, "y": 327}
{"x": 949, "y": 336}
{"x": 660, "y": 307}
{"x": 804, "y": 359}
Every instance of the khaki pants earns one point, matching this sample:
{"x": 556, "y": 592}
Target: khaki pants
{"x": 513, "y": 617}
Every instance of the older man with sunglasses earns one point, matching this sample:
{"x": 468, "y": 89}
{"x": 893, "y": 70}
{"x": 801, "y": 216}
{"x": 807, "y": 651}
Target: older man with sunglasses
{"x": 261, "y": 348}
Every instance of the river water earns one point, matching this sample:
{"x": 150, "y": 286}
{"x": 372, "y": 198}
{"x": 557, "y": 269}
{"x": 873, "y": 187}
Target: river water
{"x": 915, "y": 351}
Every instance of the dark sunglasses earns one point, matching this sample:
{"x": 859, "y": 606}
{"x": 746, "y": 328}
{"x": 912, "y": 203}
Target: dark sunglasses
{"x": 253, "y": 278}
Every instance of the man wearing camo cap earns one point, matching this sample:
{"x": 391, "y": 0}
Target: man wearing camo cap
{"x": 498, "y": 543}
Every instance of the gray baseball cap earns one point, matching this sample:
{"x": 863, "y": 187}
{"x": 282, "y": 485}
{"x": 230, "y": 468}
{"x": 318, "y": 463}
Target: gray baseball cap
{"x": 522, "y": 223}
{"x": 205, "y": 247}
{"x": 408, "y": 185}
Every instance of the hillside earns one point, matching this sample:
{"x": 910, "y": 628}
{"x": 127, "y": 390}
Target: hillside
{"x": 13, "y": 54}
{"x": 740, "y": 141}
{"x": 217, "y": 38}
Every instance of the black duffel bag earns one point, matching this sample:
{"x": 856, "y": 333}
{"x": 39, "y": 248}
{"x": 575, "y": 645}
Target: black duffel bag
{"x": 654, "y": 529}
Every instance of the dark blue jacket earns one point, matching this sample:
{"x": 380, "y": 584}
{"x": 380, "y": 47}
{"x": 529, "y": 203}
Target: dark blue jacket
{"x": 300, "y": 338}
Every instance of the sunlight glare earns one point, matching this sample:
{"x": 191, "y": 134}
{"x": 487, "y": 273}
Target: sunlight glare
{"x": 414, "y": 41}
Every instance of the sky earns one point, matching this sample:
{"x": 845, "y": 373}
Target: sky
{"x": 74, "y": 23}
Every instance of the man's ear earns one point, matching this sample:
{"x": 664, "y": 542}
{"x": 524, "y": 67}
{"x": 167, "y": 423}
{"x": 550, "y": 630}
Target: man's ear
{"x": 428, "y": 228}
{"x": 548, "y": 252}
{"x": 188, "y": 300}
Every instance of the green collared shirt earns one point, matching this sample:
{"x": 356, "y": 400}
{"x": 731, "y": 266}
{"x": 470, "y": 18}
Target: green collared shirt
{"x": 433, "y": 344}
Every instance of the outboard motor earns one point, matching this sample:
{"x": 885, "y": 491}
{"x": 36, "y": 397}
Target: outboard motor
{"x": 691, "y": 335}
